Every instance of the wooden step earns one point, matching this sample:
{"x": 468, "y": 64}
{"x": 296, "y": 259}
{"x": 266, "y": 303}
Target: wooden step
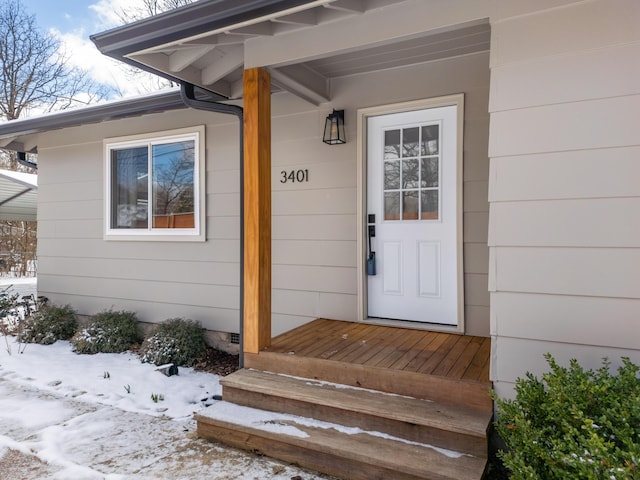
{"x": 409, "y": 418}
{"x": 448, "y": 391}
{"x": 347, "y": 453}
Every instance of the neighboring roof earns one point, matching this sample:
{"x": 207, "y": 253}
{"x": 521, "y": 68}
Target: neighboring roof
{"x": 131, "y": 107}
{"x": 18, "y": 195}
{"x": 207, "y": 42}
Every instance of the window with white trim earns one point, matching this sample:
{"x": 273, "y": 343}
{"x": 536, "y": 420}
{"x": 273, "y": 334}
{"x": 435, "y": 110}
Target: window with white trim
{"x": 155, "y": 187}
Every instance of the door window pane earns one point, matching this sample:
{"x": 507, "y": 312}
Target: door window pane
{"x": 392, "y": 175}
{"x": 392, "y": 206}
{"x": 429, "y": 204}
{"x": 391, "y": 144}
{"x": 430, "y": 140}
{"x": 410, "y": 174}
{"x": 410, "y": 205}
{"x": 410, "y": 138}
{"x": 429, "y": 172}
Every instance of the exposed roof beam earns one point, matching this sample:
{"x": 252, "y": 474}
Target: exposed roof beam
{"x": 197, "y": 19}
{"x": 236, "y": 89}
{"x": 265, "y": 28}
{"x": 306, "y": 17}
{"x": 375, "y": 27}
{"x": 9, "y": 144}
{"x": 160, "y": 61}
{"x": 218, "y": 39}
{"x": 302, "y": 82}
{"x": 353, "y": 6}
{"x": 233, "y": 59}
{"x": 181, "y": 59}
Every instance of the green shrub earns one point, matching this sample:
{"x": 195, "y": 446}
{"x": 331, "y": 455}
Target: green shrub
{"x": 573, "y": 424}
{"x": 107, "y": 332}
{"x": 176, "y": 341}
{"x": 49, "y": 324}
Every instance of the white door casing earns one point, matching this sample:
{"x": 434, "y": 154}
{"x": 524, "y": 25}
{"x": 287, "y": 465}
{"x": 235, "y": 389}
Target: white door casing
{"x": 414, "y": 181}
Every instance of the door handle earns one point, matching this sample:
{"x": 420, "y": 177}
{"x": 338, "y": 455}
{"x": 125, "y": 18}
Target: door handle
{"x": 371, "y": 230}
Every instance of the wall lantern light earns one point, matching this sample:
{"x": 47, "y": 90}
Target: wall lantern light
{"x": 334, "y": 128}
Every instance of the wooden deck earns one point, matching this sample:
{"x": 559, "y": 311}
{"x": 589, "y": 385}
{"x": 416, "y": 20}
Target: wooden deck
{"x": 441, "y": 399}
{"x": 430, "y": 353}
{"x": 448, "y": 368}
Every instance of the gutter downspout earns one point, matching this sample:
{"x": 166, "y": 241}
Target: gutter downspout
{"x": 187, "y": 91}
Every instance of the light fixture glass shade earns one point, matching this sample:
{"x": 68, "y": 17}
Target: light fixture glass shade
{"x": 334, "y": 128}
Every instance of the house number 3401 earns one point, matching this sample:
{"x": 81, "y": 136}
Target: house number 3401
{"x": 294, "y": 176}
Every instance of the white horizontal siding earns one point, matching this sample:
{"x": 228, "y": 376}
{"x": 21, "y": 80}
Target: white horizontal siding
{"x": 584, "y": 26}
{"x": 602, "y": 222}
{"x": 72, "y": 191}
{"x": 212, "y": 250}
{"x": 593, "y": 74}
{"x": 563, "y": 233}
{"x": 338, "y": 201}
{"x": 168, "y": 270}
{"x": 92, "y": 228}
{"x": 334, "y": 174}
{"x": 166, "y": 292}
{"x": 598, "y": 173}
{"x": 528, "y": 356}
{"x": 314, "y": 278}
{"x": 212, "y": 318}
{"x": 604, "y": 123}
{"x": 544, "y": 318}
{"x": 327, "y": 253}
{"x": 314, "y": 227}
{"x": 600, "y": 272}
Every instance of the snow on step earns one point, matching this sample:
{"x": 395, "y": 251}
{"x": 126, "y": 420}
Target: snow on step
{"x": 347, "y": 452}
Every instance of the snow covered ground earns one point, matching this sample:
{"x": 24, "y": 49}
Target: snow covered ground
{"x": 65, "y": 416}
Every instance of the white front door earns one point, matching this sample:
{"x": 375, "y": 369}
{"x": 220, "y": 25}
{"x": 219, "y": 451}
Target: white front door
{"x": 412, "y": 190}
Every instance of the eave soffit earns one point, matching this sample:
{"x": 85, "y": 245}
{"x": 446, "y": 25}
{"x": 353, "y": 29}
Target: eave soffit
{"x": 304, "y": 47}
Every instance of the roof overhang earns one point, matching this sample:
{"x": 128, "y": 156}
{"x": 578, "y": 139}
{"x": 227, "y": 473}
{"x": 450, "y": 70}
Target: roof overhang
{"x": 303, "y": 43}
{"x": 10, "y": 132}
{"x": 18, "y": 196}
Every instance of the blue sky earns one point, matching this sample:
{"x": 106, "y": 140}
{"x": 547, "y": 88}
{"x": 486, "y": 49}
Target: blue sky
{"x": 73, "y": 21}
{"x": 65, "y": 15}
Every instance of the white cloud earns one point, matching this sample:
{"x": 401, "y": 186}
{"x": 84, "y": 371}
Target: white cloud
{"x": 110, "y": 12}
{"x": 85, "y": 55}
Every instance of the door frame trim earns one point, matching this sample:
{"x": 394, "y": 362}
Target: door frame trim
{"x": 362, "y": 115}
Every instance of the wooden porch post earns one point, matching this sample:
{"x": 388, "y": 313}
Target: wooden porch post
{"x": 257, "y": 210}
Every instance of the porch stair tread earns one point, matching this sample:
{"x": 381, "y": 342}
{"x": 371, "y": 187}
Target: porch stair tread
{"x": 467, "y": 394}
{"x": 402, "y": 416}
{"x": 344, "y": 452}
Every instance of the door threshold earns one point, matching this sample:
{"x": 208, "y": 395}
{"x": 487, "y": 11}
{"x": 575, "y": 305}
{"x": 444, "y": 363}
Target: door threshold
{"x": 408, "y": 324}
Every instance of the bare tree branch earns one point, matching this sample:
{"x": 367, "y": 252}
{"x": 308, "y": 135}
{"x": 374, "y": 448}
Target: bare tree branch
{"x": 34, "y": 72}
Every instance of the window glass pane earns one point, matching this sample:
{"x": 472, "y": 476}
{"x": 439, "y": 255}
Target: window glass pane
{"x": 129, "y": 188}
{"x": 429, "y": 172}
{"x": 391, "y": 144}
{"x": 429, "y": 204}
{"x": 410, "y": 142}
{"x": 410, "y": 205}
{"x": 392, "y": 175}
{"x": 173, "y": 167}
{"x": 392, "y": 205}
{"x": 430, "y": 141}
{"x": 410, "y": 174}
